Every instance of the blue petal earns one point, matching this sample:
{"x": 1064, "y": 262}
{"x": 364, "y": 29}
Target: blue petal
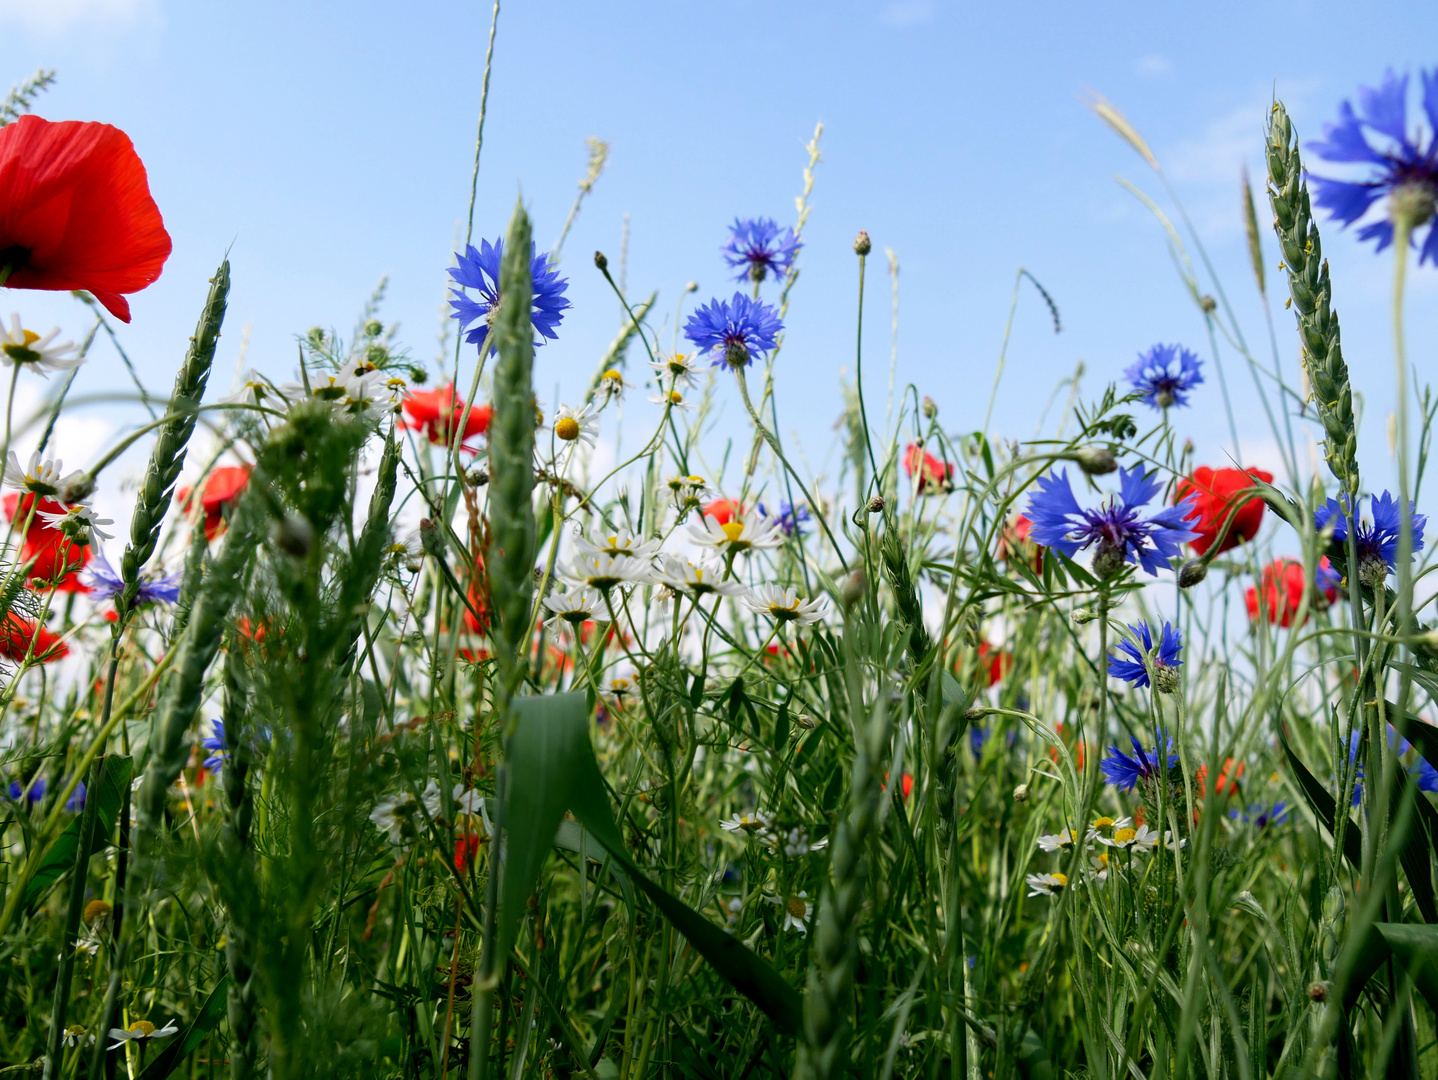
{"x": 1386, "y": 108}
{"x": 1344, "y": 141}
{"x": 1346, "y": 202}
{"x": 1136, "y": 489}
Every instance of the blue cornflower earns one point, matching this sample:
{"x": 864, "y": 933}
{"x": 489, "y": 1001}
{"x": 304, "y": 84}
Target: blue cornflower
{"x": 790, "y": 518}
{"x": 1405, "y": 170}
{"x": 76, "y": 802}
{"x": 756, "y": 248}
{"x": 1124, "y": 772}
{"x": 478, "y": 269}
{"x": 105, "y": 583}
{"x": 219, "y": 749}
{"x": 1166, "y": 661}
{"x": 1120, "y": 534}
{"x": 736, "y": 330}
{"x": 34, "y": 793}
{"x": 1164, "y": 375}
{"x": 1261, "y": 817}
{"x": 1376, "y": 542}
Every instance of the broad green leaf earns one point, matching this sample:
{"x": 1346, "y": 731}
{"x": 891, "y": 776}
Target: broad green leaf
{"x": 178, "y": 1049}
{"x": 114, "y": 779}
{"x": 551, "y": 767}
{"x": 1323, "y": 805}
{"x": 1414, "y": 947}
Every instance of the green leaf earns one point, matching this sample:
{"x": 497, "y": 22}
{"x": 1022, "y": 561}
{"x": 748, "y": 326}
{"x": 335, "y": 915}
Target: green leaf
{"x": 61, "y": 855}
{"x": 1323, "y": 805}
{"x": 179, "y": 1049}
{"x": 1414, "y": 947}
{"x": 551, "y": 765}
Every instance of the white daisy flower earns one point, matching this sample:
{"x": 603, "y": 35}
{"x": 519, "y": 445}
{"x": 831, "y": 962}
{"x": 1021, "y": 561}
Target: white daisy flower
{"x": 622, "y": 542}
{"x": 687, "y": 488}
{"x": 574, "y": 607}
{"x": 758, "y": 821}
{"x": 21, "y": 346}
{"x": 679, "y": 371}
{"x": 797, "y": 911}
{"x": 576, "y": 425}
{"x": 786, "y": 605}
{"x": 673, "y": 399}
{"x": 1124, "y": 836}
{"x": 698, "y": 579}
{"x": 467, "y": 800}
{"x": 1103, "y": 826}
{"x": 75, "y": 1034}
{"x": 611, "y": 386}
{"x": 1046, "y": 884}
{"x": 604, "y": 572}
{"x": 394, "y": 815}
{"x": 141, "y": 1029}
{"x": 1145, "y": 839}
{"x": 797, "y": 844}
{"x": 741, "y": 533}
{"x": 43, "y": 478}
{"x": 255, "y": 389}
{"x": 1055, "y": 841}
{"x": 1101, "y": 867}
{"x": 79, "y": 522}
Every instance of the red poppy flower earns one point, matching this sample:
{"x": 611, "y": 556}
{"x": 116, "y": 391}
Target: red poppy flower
{"x": 1015, "y": 545}
{"x": 17, "y": 633}
{"x": 478, "y": 625}
{"x": 934, "y": 475}
{"x": 77, "y": 212}
{"x": 437, "y": 413}
{"x": 55, "y": 555}
{"x": 223, "y": 486}
{"x": 993, "y": 663}
{"x": 466, "y": 846}
{"x": 723, "y": 511}
{"x": 1215, "y": 492}
{"x": 1227, "y": 782}
{"x": 1283, "y": 581}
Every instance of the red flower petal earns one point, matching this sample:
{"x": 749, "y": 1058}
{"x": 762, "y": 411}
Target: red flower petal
{"x": 77, "y": 212}
{"x": 1214, "y": 492}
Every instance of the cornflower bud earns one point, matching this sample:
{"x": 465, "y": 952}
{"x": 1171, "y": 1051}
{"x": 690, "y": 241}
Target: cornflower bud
{"x": 862, "y": 244}
{"x": 1082, "y": 616}
{"x": 476, "y": 477}
{"x": 1096, "y": 460}
{"x": 1191, "y": 573}
{"x": 430, "y": 538}
{"x": 600, "y": 261}
{"x": 1208, "y": 303}
{"x": 875, "y": 505}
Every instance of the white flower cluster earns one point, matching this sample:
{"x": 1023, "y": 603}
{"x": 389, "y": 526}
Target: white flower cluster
{"x": 359, "y": 389}
{"x": 45, "y": 479}
{"x": 1114, "y": 833}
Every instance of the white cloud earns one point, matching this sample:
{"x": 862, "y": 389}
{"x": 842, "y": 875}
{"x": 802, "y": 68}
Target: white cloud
{"x": 1153, "y": 66}
{"x": 52, "y": 17}
{"x": 907, "y": 12}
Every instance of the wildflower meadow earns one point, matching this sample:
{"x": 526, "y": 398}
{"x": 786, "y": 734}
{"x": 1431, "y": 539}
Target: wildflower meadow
{"x": 398, "y": 732}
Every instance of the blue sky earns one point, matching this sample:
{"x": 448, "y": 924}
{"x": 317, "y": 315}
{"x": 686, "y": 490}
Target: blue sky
{"x": 327, "y": 145}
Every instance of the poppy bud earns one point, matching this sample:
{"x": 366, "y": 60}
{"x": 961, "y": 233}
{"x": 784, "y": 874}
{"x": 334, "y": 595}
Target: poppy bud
{"x": 1191, "y": 573}
{"x": 293, "y": 534}
{"x": 862, "y": 244}
{"x": 1021, "y": 793}
{"x": 930, "y": 409}
{"x": 1097, "y": 460}
{"x": 600, "y": 261}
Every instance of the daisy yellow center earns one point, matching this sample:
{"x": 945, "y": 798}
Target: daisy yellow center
{"x": 733, "y": 530}
{"x": 1101, "y": 861}
{"x": 620, "y": 685}
{"x": 143, "y": 1027}
{"x": 1124, "y": 836}
{"x": 697, "y": 481}
{"x": 675, "y": 397}
{"x": 96, "y": 909}
{"x": 782, "y": 613}
{"x": 20, "y": 351}
{"x": 613, "y": 376}
{"x": 797, "y": 907}
{"x": 1060, "y": 879}
{"x": 567, "y": 428}
{"x": 1102, "y": 823}
{"x": 677, "y": 365}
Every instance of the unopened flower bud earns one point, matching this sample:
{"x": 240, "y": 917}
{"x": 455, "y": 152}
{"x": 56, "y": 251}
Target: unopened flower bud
{"x": 476, "y": 477}
{"x": 600, "y": 261}
{"x": 808, "y": 723}
{"x": 373, "y": 328}
{"x": 78, "y": 489}
{"x": 1191, "y": 573}
{"x": 875, "y": 505}
{"x": 293, "y": 534}
{"x": 1165, "y": 678}
{"x": 1208, "y": 303}
{"x": 1021, "y": 793}
{"x": 862, "y": 244}
{"x": 1097, "y": 460}
{"x": 1318, "y": 992}
{"x": 430, "y": 539}
{"x": 1082, "y": 616}
{"x": 930, "y": 409}
{"x": 692, "y": 286}
{"x": 853, "y": 588}
{"x": 1372, "y": 571}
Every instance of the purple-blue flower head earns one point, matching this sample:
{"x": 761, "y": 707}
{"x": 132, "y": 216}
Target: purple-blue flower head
{"x": 1403, "y": 165}
{"x": 1164, "y": 375}
{"x": 757, "y": 248}
{"x": 218, "y": 748}
{"x": 1132, "y": 669}
{"x": 734, "y": 331}
{"x": 1116, "y": 529}
{"x": 1124, "y": 772}
{"x": 105, "y": 583}
{"x": 1377, "y": 541}
{"x": 1261, "y": 817}
{"x": 478, "y": 269}
{"x": 790, "y": 518}
{"x": 33, "y": 794}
